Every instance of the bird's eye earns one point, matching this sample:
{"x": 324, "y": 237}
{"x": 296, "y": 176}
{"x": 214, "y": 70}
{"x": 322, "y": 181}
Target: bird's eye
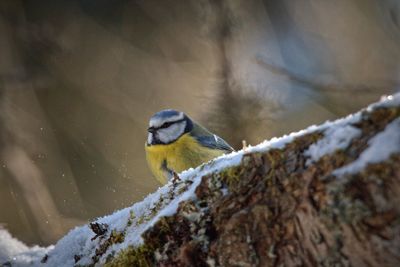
{"x": 166, "y": 124}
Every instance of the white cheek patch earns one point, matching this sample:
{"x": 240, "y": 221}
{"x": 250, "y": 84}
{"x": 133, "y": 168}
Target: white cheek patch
{"x": 158, "y": 121}
{"x": 150, "y": 138}
{"x": 171, "y": 133}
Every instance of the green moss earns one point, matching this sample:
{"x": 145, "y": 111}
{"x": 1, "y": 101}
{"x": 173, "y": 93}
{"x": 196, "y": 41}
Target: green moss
{"x": 155, "y": 209}
{"x": 274, "y": 156}
{"x": 230, "y": 177}
{"x": 117, "y": 237}
{"x": 131, "y": 218}
{"x": 133, "y": 256}
{"x": 146, "y": 217}
{"x": 144, "y": 255}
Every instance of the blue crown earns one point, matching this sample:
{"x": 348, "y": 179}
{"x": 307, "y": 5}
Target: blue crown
{"x": 166, "y": 113}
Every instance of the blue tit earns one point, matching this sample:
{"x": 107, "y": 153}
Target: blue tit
{"x": 176, "y": 143}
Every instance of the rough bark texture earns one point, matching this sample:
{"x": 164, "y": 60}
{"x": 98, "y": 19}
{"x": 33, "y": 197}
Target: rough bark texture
{"x": 282, "y": 212}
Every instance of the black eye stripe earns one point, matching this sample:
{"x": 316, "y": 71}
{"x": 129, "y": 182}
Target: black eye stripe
{"x": 165, "y": 125}
{"x": 169, "y": 123}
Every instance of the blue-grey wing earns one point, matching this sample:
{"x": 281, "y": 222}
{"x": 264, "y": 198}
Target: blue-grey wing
{"x": 210, "y": 140}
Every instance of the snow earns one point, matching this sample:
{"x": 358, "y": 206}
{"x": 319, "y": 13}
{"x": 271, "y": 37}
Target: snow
{"x": 339, "y": 134}
{"x": 380, "y": 148}
{"x": 336, "y": 138}
{"x": 134, "y": 220}
{"x": 386, "y": 101}
{"x": 11, "y": 247}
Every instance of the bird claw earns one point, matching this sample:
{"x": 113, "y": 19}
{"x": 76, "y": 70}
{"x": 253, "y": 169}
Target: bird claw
{"x": 175, "y": 178}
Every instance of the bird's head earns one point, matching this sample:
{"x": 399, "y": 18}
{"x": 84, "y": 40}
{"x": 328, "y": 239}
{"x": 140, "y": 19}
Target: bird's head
{"x": 167, "y": 126}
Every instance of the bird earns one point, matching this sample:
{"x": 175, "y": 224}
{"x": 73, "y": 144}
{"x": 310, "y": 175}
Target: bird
{"x": 176, "y": 143}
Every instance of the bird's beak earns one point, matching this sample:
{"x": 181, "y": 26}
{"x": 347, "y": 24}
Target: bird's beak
{"x": 151, "y": 129}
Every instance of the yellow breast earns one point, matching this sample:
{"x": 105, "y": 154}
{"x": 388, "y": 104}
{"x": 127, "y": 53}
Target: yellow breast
{"x": 178, "y": 156}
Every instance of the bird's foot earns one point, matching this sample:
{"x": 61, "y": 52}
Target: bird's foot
{"x": 175, "y": 178}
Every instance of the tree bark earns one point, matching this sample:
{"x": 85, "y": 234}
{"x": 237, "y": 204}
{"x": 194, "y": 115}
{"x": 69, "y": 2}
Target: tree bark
{"x": 282, "y": 211}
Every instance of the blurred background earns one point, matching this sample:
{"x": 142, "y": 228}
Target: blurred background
{"x": 80, "y": 79}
